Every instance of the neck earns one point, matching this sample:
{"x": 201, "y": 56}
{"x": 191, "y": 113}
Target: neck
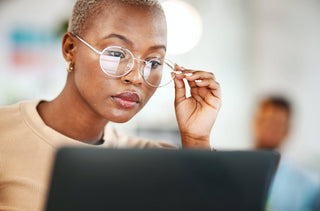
{"x": 71, "y": 116}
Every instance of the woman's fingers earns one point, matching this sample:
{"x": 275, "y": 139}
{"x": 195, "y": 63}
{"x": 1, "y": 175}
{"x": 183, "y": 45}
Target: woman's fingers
{"x": 210, "y": 84}
{"x": 180, "y": 88}
{"x": 204, "y": 87}
{"x": 201, "y": 79}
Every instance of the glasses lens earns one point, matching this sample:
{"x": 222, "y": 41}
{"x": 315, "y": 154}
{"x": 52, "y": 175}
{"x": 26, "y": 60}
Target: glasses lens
{"x": 158, "y": 72}
{"x": 116, "y": 61}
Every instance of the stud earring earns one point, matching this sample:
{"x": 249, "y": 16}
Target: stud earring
{"x": 69, "y": 66}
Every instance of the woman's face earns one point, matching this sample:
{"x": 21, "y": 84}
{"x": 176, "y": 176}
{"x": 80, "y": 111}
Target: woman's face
{"x": 143, "y": 32}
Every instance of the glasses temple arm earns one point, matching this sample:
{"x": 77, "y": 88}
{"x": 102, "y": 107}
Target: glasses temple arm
{"x": 87, "y": 44}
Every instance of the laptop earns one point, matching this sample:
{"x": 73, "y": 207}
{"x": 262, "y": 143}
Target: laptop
{"x": 152, "y": 180}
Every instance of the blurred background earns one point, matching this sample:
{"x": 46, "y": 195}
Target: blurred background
{"x": 254, "y": 47}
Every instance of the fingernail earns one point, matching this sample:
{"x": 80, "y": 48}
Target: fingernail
{"x": 188, "y": 74}
{"x": 178, "y": 72}
{"x": 198, "y": 81}
{"x": 182, "y": 68}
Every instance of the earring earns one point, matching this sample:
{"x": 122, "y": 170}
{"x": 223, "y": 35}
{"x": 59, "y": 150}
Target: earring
{"x": 69, "y": 66}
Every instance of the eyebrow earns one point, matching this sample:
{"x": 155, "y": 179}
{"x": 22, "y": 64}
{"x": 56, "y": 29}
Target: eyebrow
{"x": 158, "y": 47}
{"x": 121, "y": 37}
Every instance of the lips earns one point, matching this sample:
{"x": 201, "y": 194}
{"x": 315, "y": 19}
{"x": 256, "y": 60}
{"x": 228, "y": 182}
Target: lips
{"x": 126, "y": 99}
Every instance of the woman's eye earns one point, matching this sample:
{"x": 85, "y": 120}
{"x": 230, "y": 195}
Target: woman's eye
{"x": 155, "y": 64}
{"x": 116, "y": 54}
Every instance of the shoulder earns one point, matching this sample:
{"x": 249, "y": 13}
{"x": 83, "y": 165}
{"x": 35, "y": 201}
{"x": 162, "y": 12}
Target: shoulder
{"x": 13, "y": 124}
{"x": 10, "y": 111}
{"x": 289, "y": 178}
{"x": 293, "y": 173}
{"x": 9, "y": 116}
{"x": 115, "y": 139}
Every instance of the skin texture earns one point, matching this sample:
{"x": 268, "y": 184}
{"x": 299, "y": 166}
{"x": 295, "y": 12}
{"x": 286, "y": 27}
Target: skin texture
{"x": 87, "y": 103}
{"x": 271, "y": 126}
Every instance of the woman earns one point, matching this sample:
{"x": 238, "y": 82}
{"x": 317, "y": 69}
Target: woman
{"x": 111, "y": 48}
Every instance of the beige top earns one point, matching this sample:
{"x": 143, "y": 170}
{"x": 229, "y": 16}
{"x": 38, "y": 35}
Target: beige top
{"x": 27, "y": 148}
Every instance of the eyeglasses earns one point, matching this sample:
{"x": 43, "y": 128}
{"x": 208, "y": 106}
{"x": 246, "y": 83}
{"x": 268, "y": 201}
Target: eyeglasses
{"x": 117, "y": 61}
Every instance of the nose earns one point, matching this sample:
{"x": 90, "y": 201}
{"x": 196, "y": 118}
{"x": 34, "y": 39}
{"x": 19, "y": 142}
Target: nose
{"x": 134, "y": 76}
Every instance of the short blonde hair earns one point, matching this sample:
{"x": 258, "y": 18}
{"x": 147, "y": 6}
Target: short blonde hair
{"x": 83, "y": 10}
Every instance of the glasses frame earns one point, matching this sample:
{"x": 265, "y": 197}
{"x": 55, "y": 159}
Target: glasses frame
{"x": 166, "y": 61}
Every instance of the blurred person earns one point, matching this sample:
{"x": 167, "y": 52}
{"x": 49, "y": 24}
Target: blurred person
{"x": 293, "y": 188}
{"x": 114, "y": 50}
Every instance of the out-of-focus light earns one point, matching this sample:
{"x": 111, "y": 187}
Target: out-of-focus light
{"x": 184, "y": 26}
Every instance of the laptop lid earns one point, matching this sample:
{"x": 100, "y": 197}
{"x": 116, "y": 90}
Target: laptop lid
{"x": 133, "y": 179}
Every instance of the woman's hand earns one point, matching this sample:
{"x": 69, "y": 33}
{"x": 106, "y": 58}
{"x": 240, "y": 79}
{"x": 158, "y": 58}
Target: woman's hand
{"x": 197, "y": 113}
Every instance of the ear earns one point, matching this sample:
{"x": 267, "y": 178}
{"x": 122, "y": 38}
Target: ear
{"x": 68, "y": 47}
